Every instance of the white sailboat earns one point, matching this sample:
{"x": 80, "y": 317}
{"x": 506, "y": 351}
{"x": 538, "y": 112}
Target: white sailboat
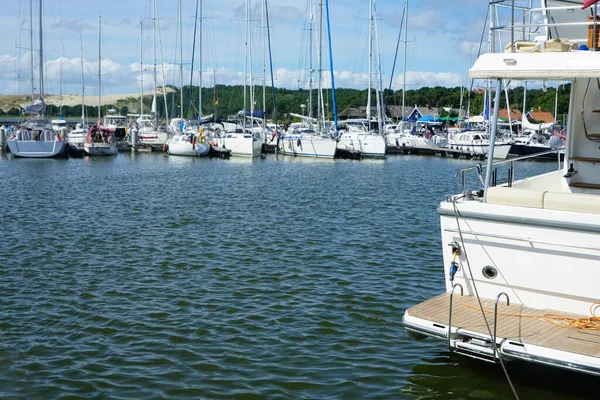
{"x": 152, "y": 133}
{"x": 245, "y": 142}
{"x": 188, "y": 140}
{"x": 365, "y": 138}
{"x": 36, "y": 138}
{"x": 311, "y": 138}
{"x": 521, "y": 257}
{"x": 100, "y": 139}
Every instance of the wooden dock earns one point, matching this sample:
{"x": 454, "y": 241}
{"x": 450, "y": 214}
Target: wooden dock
{"x": 439, "y": 151}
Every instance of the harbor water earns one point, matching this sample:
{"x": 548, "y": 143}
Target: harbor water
{"x": 152, "y": 276}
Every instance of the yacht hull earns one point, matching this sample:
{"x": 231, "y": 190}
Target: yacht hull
{"x": 240, "y": 144}
{"x": 370, "y": 145}
{"x": 100, "y": 149}
{"x": 185, "y": 148}
{"x": 541, "y": 258}
{"x": 306, "y": 146}
{"x": 38, "y": 149}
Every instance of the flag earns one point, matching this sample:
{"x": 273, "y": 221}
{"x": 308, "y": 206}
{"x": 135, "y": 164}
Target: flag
{"x": 589, "y": 3}
{"x": 216, "y": 102}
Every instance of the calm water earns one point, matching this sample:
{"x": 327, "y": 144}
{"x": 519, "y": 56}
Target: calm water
{"x": 146, "y": 276}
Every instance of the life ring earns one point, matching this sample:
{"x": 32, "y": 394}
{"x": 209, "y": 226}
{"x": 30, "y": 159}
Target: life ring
{"x": 202, "y": 139}
{"x": 133, "y": 124}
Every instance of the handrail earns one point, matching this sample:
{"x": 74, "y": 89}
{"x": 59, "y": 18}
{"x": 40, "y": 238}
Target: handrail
{"x": 450, "y": 312}
{"x": 527, "y": 11}
{"x": 480, "y": 167}
{"x": 588, "y": 136}
{"x": 523, "y": 239}
{"x": 510, "y": 160}
{"x": 496, "y": 321}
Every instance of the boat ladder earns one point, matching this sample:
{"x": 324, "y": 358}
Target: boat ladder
{"x": 473, "y": 344}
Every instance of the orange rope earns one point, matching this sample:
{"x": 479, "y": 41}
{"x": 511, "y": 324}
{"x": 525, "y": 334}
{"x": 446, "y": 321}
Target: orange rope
{"x": 561, "y": 320}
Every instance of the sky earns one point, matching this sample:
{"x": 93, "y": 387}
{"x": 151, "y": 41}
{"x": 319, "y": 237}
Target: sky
{"x": 442, "y": 38}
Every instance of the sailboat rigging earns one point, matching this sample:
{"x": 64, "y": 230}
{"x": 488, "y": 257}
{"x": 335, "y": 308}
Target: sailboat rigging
{"x": 36, "y": 138}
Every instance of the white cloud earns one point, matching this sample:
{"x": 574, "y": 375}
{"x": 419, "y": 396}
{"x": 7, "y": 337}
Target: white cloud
{"x": 121, "y": 78}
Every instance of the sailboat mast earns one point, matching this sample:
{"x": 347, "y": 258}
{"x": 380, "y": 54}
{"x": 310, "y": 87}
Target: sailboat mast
{"x": 41, "y": 53}
{"x": 379, "y": 88}
{"x": 99, "y": 66}
{"x": 310, "y": 57}
{"x": 82, "y": 82}
{"x": 214, "y": 95}
{"x": 264, "y": 89}
{"x": 200, "y": 67}
{"x": 250, "y": 81}
{"x": 141, "y": 69}
{"x": 331, "y": 70}
{"x": 320, "y": 108}
{"x": 405, "y": 52}
{"x": 246, "y": 61}
{"x": 31, "y": 48}
{"x": 180, "y": 63}
{"x": 154, "y": 105}
{"x": 370, "y": 62}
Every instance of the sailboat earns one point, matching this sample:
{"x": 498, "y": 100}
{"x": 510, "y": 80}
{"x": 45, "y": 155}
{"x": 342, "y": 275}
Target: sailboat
{"x": 76, "y": 137}
{"x": 360, "y": 134}
{"x": 100, "y": 139}
{"x": 36, "y": 138}
{"x": 188, "y": 140}
{"x": 245, "y": 142}
{"x": 311, "y": 138}
{"x": 151, "y": 133}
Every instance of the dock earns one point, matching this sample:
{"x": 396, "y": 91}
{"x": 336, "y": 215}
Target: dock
{"x": 439, "y": 151}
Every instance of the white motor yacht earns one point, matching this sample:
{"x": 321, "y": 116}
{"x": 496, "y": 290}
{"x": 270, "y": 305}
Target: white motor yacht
{"x": 521, "y": 257}
{"x": 477, "y": 144}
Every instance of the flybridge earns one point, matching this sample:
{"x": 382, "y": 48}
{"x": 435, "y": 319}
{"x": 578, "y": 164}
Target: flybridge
{"x": 552, "y": 19}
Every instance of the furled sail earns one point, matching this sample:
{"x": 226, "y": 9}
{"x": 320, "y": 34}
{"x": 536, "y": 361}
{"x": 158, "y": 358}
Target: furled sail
{"x": 37, "y": 108}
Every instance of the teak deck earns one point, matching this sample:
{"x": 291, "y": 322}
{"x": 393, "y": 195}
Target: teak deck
{"x": 527, "y": 330}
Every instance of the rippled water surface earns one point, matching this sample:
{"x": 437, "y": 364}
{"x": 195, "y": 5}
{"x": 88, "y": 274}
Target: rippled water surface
{"x": 146, "y": 276}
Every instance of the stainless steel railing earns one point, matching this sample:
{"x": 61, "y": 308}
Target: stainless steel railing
{"x": 479, "y": 167}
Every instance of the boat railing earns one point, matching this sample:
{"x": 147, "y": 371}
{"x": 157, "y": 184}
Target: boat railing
{"x": 533, "y": 27}
{"x": 511, "y": 171}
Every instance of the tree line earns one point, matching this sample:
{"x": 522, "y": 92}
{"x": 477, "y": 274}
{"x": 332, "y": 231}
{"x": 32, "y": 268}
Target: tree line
{"x": 225, "y": 100}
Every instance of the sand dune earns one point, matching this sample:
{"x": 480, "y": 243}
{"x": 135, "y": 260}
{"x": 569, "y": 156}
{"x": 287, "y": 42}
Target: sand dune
{"x": 8, "y": 101}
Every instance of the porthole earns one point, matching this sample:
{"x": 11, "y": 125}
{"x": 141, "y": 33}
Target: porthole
{"x": 489, "y": 272}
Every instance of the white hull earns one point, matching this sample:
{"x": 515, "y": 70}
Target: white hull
{"x": 421, "y": 142}
{"x": 76, "y": 140}
{"x": 371, "y": 145}
{"x": 308, "y": 146}
{"x": 241, "y": 144}
{"x": 37, "y": 148}
{"x": 179, "y": 146}
{"x": 544, "y": 259}
{"x": 100, "y": 149}
{"x": 152, "y": 138}
{"x": 481, "y": 149}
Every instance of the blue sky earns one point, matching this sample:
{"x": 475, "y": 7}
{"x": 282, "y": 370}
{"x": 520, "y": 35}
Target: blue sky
{"x": 440, "y": 33}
